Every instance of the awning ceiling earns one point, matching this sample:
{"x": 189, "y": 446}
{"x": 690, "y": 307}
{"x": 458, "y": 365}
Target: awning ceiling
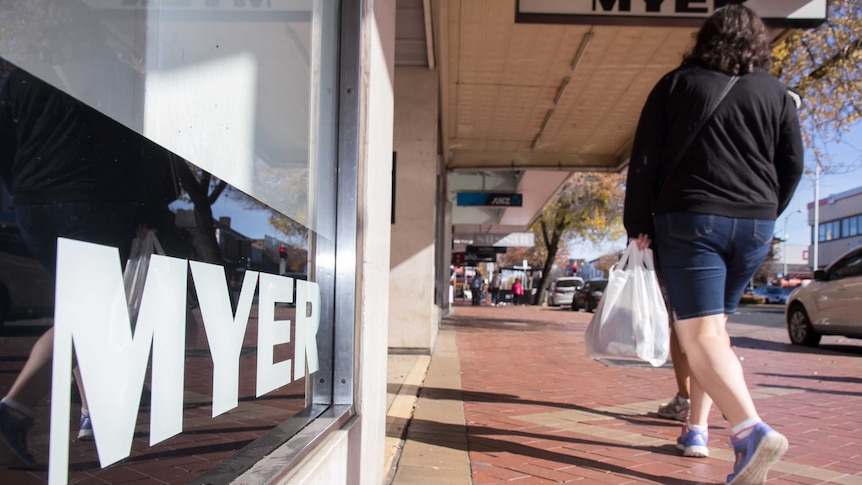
{"x": 523, "y": 97}
{"x": 544, "y": 95}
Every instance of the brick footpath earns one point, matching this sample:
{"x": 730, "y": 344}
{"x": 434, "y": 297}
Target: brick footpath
{"x": 536, "y": 410}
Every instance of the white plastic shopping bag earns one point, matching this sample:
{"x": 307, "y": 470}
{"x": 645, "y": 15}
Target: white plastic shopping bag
{"x": 135, "y": 274}
{"x": 631, "y": 321}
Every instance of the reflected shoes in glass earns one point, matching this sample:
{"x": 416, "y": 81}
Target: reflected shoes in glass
{"x": 85, "y": 431}
{"x": 678, "y": 409}
{"x": 692, "y": 442}
{"x": 755, "y": 455}
{"x": 13, "y": 439}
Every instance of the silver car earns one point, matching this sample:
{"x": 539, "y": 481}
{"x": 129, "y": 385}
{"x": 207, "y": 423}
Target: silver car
{"x": 563, "y": 289}
{"x": 829, "y": 305}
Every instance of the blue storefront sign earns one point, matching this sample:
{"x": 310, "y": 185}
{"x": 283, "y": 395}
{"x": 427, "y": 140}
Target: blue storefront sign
{"x": 492, "y": 199}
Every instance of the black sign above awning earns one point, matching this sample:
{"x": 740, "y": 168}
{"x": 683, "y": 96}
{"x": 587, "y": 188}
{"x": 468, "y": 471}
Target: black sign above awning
{"x": 486, "y": 249}
{"x": 677, "y": 13}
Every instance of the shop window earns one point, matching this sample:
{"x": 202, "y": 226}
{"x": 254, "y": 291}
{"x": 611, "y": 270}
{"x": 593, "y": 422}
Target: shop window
{"x": 180, "y": 161}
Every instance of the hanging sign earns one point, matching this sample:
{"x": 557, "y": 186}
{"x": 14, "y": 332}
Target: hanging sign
{"x": 490, "y": 199}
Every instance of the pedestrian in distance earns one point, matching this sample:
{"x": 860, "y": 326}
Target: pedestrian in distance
{"x": 496, "y": 281}
{"x": 518, "y": 292}
{"x": 716, "y": 158}
{"x": 477, "y": 285}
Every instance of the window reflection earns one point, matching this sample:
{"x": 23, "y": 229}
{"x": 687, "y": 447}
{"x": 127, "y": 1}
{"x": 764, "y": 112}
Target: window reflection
{"x": 245, "y": 89}
{"x": 70, "y": 171}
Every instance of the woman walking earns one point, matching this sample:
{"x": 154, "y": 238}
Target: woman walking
{"x": 716, "y": 158}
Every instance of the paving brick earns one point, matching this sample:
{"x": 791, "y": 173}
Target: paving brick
{"x": 536, "y": 409}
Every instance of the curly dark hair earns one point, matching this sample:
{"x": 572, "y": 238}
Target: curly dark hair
{"x": 733, "y": 40}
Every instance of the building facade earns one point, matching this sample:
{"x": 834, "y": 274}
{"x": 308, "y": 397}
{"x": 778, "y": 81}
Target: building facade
{"x": 838, "y": 223}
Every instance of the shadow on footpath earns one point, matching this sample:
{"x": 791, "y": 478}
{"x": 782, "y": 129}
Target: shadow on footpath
{"x": 518, "y": 324}
{"x": 845, "y": 380}
{"x": 438, "y": 393}
{"x": 824, "y": 349}
{"x": 481, "y": 439}
{"x": 818, "y": 377}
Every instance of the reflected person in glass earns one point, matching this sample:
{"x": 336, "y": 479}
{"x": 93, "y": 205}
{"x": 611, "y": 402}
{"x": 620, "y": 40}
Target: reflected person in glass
{"x": 67, "y": 168}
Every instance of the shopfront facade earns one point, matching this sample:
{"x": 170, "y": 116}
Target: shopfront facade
{"x": 186, "y": 222}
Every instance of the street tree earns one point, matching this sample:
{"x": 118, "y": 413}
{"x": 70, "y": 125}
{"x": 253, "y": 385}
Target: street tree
{"x": 822, "y": 65}
{"x": 589, "y": 208}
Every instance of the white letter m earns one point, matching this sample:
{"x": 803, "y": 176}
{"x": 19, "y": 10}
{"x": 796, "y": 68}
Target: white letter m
{"x": 92, "y": 311}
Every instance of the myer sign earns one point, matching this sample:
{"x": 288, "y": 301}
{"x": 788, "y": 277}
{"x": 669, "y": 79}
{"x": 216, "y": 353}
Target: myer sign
{"x": 113, "y": 354}
{"x": 776, "y": 13}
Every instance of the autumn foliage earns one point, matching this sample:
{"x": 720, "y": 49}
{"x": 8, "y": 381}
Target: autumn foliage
{"x": 822, "y": 64}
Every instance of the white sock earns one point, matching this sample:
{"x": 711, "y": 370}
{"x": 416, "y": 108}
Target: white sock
{"x": 743, "y": 429}
{"x": 19, "y": 409}
{"x": 682, "y": 400}
{"x": 696, "y": 427}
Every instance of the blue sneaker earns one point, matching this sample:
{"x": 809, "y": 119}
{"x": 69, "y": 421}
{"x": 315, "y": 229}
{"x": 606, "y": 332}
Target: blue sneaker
{"x": 13, "y": 440}
{"x": 756, "y": 454}
{"x": 85, "y": 431}
{"x": 692, "y": 442}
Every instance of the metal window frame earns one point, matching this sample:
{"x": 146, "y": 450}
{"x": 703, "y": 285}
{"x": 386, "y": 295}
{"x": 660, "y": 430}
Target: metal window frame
{"x": 332, "y": 397}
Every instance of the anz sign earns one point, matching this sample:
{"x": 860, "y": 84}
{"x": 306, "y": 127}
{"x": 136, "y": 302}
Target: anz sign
{"x": 489, "y": 199}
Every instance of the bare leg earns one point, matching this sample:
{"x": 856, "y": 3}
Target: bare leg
{"x": 680, "y": 365}
{"x": 700, "y": 401}
{"x": 700, "y": 405}
{"x": 34, "y": 381}
{"x": 77, "y": 373}
{"x": 715, "y": 366}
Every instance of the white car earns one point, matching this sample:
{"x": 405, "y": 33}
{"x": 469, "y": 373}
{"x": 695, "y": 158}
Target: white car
{"x": 831, "y": 304}
{"x": 563, "y": 289}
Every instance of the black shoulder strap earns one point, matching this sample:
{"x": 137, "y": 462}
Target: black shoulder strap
{"x": 703, "y": 119}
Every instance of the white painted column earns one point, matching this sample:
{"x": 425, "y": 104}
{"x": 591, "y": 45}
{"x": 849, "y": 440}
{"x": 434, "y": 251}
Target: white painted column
{"x": 413, "y": 313}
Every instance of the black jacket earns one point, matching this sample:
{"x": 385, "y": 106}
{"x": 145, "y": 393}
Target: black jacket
{"x": 745, "y": 162}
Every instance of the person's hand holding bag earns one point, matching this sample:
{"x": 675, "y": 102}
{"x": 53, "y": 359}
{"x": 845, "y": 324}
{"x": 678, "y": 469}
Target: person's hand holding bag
{"x": 631, "y": 322}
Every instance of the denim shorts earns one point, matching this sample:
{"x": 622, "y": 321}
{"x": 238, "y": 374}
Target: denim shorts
{"x": 707, "y": 260}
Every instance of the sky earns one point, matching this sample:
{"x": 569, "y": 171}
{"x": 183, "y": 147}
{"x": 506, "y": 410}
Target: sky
{"x": 847, "y": 152}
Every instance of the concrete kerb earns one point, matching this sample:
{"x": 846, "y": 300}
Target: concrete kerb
{"x": 421, "y": 461}
{"x": 406, "y": 374}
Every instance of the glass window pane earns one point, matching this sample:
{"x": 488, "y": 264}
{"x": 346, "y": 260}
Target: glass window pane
{"x": 208, "y": 127}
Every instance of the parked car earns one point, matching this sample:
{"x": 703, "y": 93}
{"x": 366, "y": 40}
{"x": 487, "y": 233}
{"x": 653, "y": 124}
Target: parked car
{"x": 562, "y": 289}
{"x": 772, "y": 294}
{"x": 786, "y": 293}
{"x": 829, "y": 305}
{"x": 589, "y": 296}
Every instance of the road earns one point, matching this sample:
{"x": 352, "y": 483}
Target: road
{"x": 764, "y": 327}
